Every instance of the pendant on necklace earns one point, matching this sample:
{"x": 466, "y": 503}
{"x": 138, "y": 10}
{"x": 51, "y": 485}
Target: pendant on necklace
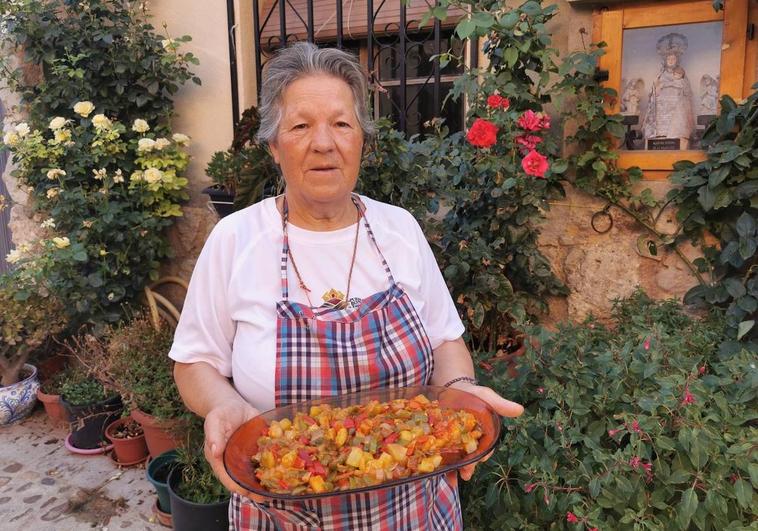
{"x": 334, "y": 299}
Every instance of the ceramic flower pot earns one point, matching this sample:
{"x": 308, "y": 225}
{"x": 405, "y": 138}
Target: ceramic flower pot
{"x": 53, "y": 407}
{"x": 157, "y": 474}
{"x": 17, "y": 400}
{"x": 190, "y": 516}
{"x": 129, "y": 451}
{"x": 88, "y": 421}
{"x": 160, "y": 436}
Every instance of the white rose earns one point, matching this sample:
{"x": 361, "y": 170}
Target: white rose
{"x": 84, "y": 108}
{"x": 53, "y": 192}
{"x": 62, "y": 135}
{"x": 153, "y": 175}
{"x": 140, "y": 126}
{"x": 162, "y": 143}
{"x": 23, "y": 129}
{"x": 14, "y": 256}
{"x": 181, "y": 139}
{"x": 118, "y": 177}
{"x": 100, "y": 121}
{"x": 167, "y": 44}
{"x": 49, "y": 223}
{"x": 55, "y": 173}
{"x": 11, "y": 138}
{"x": 57, "y": 123}
{"x": 145, "y": 144}
{"x": 135, "y": 177}
{"x": 61, "y": 243}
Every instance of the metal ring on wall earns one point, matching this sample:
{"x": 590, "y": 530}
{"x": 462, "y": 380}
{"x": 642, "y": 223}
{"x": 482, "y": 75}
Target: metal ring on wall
{"x": 599, "y": 215}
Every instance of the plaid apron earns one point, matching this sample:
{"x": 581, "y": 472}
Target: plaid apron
{"x": 326, "y": 352}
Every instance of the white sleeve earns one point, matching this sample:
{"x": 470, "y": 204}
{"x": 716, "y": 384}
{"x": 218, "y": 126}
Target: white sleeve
{"x": 206, "y": 330}
{"x": 439, "y": 314}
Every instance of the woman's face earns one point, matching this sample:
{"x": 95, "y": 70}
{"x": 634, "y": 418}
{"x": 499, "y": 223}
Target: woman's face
{"x": 671, "y": 60}
{"x": 319, "y": 142}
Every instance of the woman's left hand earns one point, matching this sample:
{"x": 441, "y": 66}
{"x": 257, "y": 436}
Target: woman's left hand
{"x": 503, "y": 407}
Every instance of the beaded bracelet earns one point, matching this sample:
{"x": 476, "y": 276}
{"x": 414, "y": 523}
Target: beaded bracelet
{"x": 468, "y": 379}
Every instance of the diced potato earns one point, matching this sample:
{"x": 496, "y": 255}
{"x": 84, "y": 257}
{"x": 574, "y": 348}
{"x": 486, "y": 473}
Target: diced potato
{"x": 288, "y": 459}
{"x": 317, "y": 484}
{"x": 354, "y": 459}
{"x": 406, "y": 436}
{"x": 275, "y": 430}
{"x": 285, "y": 423}
{"x": 267, "y": 459}
{"x": 470, "y": 446}
{"x": 398, "y": 452}
{"x": 341, "y": 437}
{"x": 428, "y": 464}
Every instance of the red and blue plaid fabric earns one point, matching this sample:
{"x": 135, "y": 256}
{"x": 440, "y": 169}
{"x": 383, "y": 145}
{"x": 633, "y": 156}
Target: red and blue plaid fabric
{"x": 326, "y": 352}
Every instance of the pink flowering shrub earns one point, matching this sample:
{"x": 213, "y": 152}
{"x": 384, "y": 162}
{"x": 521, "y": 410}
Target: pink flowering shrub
{"x": 646, "y": 424}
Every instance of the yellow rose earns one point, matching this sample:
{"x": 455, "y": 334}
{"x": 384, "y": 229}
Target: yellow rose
{"x": 135, "y": 177}
{"x": 11, "y": 138}
{"x": 162, "y": 143}
{"x": 153, "y": 175}
{"x": 57, "y": 123}
{"x": 84, "y": 108}
{"x": 55, "y": 173}
{"x": 61, "y": 243}
{"x": 140, "y": 126}
{"x": 181, "y": 139}
{"x": 53, "y": 192}
{"x": 100, "y": 121}
{"x": 62, "y": 135}
{"x": 145, "y": 144}
{"x": 23, "y": 129}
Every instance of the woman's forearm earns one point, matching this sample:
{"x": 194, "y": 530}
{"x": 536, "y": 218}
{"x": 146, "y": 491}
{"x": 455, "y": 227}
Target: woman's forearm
{"x": 203, "y": 388}
{"x": 451, "y": 360}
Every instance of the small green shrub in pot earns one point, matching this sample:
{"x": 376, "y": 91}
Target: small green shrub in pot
{"x": 648, "y": 424}
{"x": 82, "y": 390}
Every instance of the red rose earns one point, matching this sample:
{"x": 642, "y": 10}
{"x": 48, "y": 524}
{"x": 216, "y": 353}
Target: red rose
{"x": 571, "y": 518}
{"x": 544, "y": 120}
{"x": 528, "y": 142}
{"x": 535, "y": 164}
{"x": 496, "y": 101}
{"x": 530, "y": 121}
{"x": 482, "y": 134}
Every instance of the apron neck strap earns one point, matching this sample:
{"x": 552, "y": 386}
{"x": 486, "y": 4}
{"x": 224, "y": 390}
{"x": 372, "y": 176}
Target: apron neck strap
{"x": 286, "y": 246}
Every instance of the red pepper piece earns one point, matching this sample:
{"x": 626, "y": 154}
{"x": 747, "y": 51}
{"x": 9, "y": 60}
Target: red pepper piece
{"x": 392, "y": 437}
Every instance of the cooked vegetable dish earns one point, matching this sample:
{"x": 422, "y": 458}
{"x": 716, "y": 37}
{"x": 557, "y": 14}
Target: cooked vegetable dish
{"x": 334, "y": 449}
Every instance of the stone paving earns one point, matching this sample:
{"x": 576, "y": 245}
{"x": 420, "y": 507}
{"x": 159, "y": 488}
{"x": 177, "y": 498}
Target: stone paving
{"x": 44, "y": 487}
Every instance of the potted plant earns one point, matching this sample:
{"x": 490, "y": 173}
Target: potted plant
{"x": 89, "y": 407}
{"x": 243, "y": 174}
{"x": 128, "y": 439}
{"x": 199, "y": 502}
{"x": 49, "y": 393}
{"x": 29, "y": 316}
{"x": 133, "y": 359}
{"x": 157, "y": 473}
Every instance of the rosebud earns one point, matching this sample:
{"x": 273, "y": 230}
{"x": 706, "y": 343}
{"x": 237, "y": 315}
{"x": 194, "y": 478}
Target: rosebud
{"x": 572, "y": 518}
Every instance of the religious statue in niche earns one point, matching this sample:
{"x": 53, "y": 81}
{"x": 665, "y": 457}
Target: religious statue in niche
{"x": 709, "y": 95}
{"x": 669, "y": 120}
{"x": 631, "y": 97}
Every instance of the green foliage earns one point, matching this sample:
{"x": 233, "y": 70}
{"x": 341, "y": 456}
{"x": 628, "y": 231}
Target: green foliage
{"x": 82, "y": 390}
{"x": 486, "y": 236}
{"x": 198, "y": 484}
{"x": 103, "y": 51}
{"x": 247, "y": 169}
{"x": 718, "y": 199}
{"x": 648, "y": 424}
{"x": 29, "y": 316}
{"x": 132, "y": 359}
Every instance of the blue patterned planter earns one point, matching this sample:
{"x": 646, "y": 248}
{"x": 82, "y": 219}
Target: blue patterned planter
{"x": 17, "y": 400}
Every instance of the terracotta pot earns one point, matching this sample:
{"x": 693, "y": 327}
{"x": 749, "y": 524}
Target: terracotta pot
{"x": 160, "y": 435}
{"x": 128, "y": 452}
{"x": 53, "y": 407}
{"x": 163, "y": 518}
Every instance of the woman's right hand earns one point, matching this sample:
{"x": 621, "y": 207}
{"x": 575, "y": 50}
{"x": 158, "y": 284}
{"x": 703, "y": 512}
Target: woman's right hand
{"x": 220, "y": 423}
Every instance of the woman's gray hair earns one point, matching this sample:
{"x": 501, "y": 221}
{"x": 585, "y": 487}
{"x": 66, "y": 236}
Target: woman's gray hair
{"x": 303, "y": 59}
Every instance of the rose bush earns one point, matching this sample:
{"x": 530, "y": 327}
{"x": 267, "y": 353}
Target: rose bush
{"x": 109, "y": 193}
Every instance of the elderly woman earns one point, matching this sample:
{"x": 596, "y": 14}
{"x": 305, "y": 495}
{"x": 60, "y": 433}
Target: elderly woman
{"x": 319, "y": 292}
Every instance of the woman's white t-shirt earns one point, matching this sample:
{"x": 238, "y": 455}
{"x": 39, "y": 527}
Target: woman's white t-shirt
{"x": 229, "y": 316}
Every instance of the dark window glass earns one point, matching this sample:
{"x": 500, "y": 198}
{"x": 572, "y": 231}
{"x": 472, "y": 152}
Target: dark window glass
{"x": 418, "y": 53}
{"x": 420, "y": 103}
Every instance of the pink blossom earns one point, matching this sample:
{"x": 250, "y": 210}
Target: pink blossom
{"x": 544, "y": 120}
{"x": 572, "y": 518}
{"x": 634, "y": 462}
{"x": 636, "y": 427}
{"x": 701, "y": 370}
{"x": 646, "y": 345}
{"x": 529, "y": 487}
{"x": 612, "y": 433}
{"x": 688, "y": 398}
{"x": 540, "y": 390}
